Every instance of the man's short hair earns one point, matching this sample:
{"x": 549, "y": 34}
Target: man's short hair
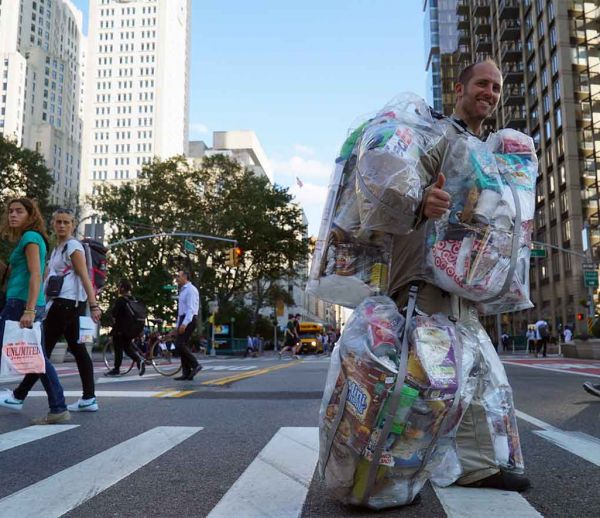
{"x": 186, "y": 274}
{"x": 298, "y": 315}
{"x": 467, "y": 73}
{"x": 290, "y": 316}
{"x": 124, "y": 285}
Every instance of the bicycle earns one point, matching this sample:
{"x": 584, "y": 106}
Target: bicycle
{"x": 155, "y": 352}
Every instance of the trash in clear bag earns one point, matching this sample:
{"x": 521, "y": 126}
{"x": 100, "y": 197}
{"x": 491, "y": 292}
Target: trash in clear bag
{"x": 495, "y": 394}
{"x": 354, "y": 407}
{"x": 373, "y": 193}
{"x": 480, "y": 249}
{"x": 450, "y": 366}
{"x": 349, "y": 263}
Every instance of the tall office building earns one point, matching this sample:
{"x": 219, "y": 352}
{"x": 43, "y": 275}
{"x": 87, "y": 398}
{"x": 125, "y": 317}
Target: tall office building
{"x": 548, "y": 53}
{"x": 441, "y": 40}
{"x": 41, "y": 53}
{"x": 137, "y": 86}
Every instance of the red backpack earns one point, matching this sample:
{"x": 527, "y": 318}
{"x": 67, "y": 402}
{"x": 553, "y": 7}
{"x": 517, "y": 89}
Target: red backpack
{"x": 95, "y": 258}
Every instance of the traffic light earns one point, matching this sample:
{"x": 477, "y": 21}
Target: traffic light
{"x": 234, "y": 256}
{"x": 579, "y": 316}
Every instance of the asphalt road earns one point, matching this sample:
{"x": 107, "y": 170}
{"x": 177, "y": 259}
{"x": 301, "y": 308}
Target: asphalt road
{"x": 163, "y": 448}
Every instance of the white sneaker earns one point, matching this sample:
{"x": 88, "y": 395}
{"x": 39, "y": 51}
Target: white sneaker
{"x": 7, "y": 400}
{"x": 84, "y": 405}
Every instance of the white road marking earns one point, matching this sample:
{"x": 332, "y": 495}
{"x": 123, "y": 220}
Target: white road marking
{"x": 553, "y": 367}
{"x": 16, "y": 438}
{"x": 62, "y": 492}
{"x": 581, "y": 444}
{"x": 276, "y": 482}
{"x": 112, "y": 393}
{"x": 466, "y": 502}
{"x": 105, "y": 379}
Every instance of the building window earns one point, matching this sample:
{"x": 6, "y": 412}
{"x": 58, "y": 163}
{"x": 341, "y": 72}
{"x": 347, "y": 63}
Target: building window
{"x": 566, "y": 228}
{"x": 553, "y": 37}
{"x": 546, "y": 104}
{"x": 556, "y": 90}
{"x": 554, "y": 63}
{"x": 558, "y": 118}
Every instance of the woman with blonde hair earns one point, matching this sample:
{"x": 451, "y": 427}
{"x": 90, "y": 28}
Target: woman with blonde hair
{"x": 68, "y": 290}
{"x": 22, "y": 223}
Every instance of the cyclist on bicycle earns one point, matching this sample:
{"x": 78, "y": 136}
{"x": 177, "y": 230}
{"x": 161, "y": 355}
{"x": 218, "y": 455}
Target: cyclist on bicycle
{"x": 122, "y": 332}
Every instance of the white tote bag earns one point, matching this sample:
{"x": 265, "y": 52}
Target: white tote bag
{"x": 22, "y": 351}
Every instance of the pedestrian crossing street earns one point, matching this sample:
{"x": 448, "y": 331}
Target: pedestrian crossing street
{"x": 274, "y": 484}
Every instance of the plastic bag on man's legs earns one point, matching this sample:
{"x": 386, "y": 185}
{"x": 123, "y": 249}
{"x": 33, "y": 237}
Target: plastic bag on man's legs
{"x": 495, "y": 395}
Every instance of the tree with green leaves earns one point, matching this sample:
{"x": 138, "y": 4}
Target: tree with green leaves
{"x": 218, "y": 198}
{"x": 23, "y": 172}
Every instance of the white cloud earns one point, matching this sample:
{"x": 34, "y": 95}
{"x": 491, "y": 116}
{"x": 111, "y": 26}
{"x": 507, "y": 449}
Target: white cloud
{"x": 304, "y": 150}
{"x": 312, "y": 199}
{"x": 308, "y": 170}
{"x": 197, "y": 128}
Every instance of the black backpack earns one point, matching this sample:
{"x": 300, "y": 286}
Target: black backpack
{"x": 134, "y": 318}
{"x": 544, "y": 331}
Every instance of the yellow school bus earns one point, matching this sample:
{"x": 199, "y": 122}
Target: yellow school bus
{"x": 310, "y": 337}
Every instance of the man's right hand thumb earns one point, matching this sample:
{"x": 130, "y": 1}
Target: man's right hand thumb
{"x": 441, "y": 180}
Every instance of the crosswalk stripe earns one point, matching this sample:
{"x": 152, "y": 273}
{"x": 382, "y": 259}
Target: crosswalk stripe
{"x": 578, "y": 443}
{"x": 133, "y": 377}
{"x": 62, "y": 492}
{"x": 464, "y": 502}
{"x": 553, "y": 369}
{"x": 110, "y": 393}
{"x": 276, "y": 482}
{"x": 16, "y": 438}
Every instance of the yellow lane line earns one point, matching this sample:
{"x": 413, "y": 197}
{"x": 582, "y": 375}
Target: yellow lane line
{"x": 248, "y": 374}
{"x": 183, "y": 393}
{"x": 166, "y": 393}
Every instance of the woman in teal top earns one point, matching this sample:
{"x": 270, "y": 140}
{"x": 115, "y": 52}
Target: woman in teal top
{"x": 22, "y": 223}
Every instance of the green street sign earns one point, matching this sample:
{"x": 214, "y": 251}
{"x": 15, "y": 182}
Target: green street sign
{"x": 538, "y": 252}
{"x": 169, "y": 287}
{"x": 189, "y": 246}
{"x": 590, "y": 278}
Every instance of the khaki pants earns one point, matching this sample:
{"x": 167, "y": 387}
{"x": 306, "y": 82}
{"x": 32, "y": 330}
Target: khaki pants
{"x": 473, "y": 439}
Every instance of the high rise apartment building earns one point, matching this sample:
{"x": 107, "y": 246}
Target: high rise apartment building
{"x": 549, "y": 56}
{"x": 41, "y": 56}
{"x": 137, "y": 86}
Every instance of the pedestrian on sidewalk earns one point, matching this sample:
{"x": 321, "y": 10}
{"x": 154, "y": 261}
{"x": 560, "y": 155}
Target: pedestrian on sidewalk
{"x": 123, "y": 332}
{"x": 567, "y": 334}
{"x": 530, "y": 338}
{"x": 291, "y": 338}
{"x": 23, "y": 223}
{"x": 542, "y": 335}
{"x": 188, "y": 307}
{"x": 68, "y": 290}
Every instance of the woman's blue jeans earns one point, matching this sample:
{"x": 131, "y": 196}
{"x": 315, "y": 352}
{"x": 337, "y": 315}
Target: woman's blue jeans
{"x": 56, "y": 399}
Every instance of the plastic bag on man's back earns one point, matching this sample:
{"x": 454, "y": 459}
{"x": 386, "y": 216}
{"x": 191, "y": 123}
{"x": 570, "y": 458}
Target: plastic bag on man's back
{"x": 374, "y": 192}
{"x": 390, "y": 178}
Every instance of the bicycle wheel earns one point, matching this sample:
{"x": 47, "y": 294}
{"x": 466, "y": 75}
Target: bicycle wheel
{"x": 108, "y": 355}
{"x": 163, "y": 361}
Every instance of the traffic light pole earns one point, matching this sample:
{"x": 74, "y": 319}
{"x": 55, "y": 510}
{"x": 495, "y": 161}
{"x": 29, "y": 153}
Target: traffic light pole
{"x": 586, "y": 255}
{"x": 170, "y": 234}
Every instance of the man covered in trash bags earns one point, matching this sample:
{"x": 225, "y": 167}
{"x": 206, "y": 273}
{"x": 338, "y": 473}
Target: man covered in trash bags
{"x": 477, "y": 91}
{"x": 415, "y": 389}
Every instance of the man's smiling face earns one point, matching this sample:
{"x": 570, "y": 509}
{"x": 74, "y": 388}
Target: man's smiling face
{"x": 478, "y": 98}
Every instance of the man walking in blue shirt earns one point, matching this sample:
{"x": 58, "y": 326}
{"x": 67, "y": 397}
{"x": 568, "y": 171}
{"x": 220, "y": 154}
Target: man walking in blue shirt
{"x": 187, "y": 317}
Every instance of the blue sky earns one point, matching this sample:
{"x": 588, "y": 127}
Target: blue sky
{"x": 299, "y": 74}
